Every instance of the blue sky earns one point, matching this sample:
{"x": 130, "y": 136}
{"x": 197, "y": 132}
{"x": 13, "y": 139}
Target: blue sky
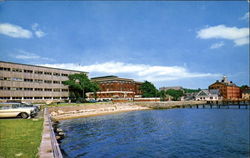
{"x": 170, "y": 43}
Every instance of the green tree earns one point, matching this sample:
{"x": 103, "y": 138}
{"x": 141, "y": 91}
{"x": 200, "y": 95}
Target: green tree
{"x": 162, "y": 95}
{"x": 243, "y": 87}
{"x": 79, "y": 85}
{"x": 186, "y": 90}
{"x": 148, "y": 90}
{"x": 94, "y": 88}
{"x": 176, "y": 94}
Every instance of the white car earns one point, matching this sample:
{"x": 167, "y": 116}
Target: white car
{"x": 14, "y": 110}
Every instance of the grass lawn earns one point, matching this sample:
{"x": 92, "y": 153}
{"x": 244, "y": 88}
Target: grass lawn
{"x": 20, "y": 137}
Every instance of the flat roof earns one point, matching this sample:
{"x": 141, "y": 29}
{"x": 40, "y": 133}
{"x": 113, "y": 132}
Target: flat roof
{"x": 112, "y": 77}
{"x": 40, "y": 66}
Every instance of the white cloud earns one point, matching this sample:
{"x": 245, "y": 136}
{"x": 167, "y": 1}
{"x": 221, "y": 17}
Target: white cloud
{"x": 138, "y": 71}
{"x": 245, "y": 17}
{"x": 14, "y": 31}
{"x": 18, "y": 32}
{"x": 24, "y": 55}
{"x": 217, "y": 45}
{"x": 240, "y": 36}
{"x": 38, "y": 32}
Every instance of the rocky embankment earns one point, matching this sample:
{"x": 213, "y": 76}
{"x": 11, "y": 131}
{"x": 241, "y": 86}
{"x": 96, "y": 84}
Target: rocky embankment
{"x": 69, "y": 112}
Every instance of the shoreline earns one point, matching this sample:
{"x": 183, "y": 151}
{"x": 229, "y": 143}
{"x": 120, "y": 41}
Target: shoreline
{"x": 97, "y": 114}
{"x": 72, "y": 112}
{"x": 91, "y": 112}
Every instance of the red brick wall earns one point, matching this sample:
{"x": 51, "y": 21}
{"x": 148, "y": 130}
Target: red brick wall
{"x": 132, "y": 89}
{"x": 227, "y": 92}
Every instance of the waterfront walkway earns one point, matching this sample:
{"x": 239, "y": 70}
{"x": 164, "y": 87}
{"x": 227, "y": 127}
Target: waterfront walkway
{"x": 49, "y": 147}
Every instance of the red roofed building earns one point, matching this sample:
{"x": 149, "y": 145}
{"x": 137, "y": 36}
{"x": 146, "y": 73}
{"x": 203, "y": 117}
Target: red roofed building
{"x": 115, "y": 87}
{"x": 228, "y": 90}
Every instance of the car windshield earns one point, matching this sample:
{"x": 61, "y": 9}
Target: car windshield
{"x": 4, "y": 107}
{"x": 15, "y": 106}
{"x": 26, "y": 105}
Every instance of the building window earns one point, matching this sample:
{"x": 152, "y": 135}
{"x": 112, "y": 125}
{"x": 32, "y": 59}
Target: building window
{"x": 38, "y": 81}
{"x": 28, "y": 80}
{"x": 48, "y": 89}
{"x": 56, "y": 74}
{"x": 48, "y": 81}
{"x": 27, "y": 71}
{"x": 56, "y": 97}
{"x": 17, "y": 70}
{"x": 16, "y": 88}
{"x": 38, "y": 89}
{"x": 17, "y": 98}
{"x": 5, "y": 78}
{"x": 56, "y": 82}
{"x": 65, "y": 90}
{"x": 64, "y": 97}
{"x": 47, "y": 73}
{"x": 64, "y": 75}
{"x": 5, "y": 88}
{"x": 4, "y": 97}
{"x": 28, "y": 89}
{"x": 38, "y": 97}
{"x": 27, "y": 97}
{"x": 38, "y": 72}
{"x": 56, "y": 90}
{"x": 17, "y": 79}
{"x": 4, "y": 69}
{"x": 47, "y": 97}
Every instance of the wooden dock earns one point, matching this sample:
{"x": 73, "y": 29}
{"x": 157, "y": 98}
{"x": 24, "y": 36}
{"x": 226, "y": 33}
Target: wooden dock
{"x": 233, "y": 104}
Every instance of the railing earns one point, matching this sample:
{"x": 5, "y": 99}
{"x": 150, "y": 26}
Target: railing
{"x": 55, "y": 146}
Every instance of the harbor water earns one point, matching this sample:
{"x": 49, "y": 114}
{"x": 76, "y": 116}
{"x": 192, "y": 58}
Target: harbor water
{"x": 174, "y": 133}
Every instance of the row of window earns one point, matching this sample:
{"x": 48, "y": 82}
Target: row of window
{"x": 29, "y": 80}
{"x": 20, "y": 98}
{"x": 209, "y": 98}
{"x": 32, "y": 71}
{"x": 34, "y": 89}
{"x": 110, "y": 82}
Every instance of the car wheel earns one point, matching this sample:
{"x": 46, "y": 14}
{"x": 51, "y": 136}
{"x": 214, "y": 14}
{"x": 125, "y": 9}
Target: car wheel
{"x": 24, "y": 115}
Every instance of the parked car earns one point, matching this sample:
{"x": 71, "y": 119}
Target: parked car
{"x": 28, "y": 105}
{"x": 16, "y": 110}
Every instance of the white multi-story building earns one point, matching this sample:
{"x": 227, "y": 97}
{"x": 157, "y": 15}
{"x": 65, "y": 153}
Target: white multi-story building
{"x": 30, "y": 83}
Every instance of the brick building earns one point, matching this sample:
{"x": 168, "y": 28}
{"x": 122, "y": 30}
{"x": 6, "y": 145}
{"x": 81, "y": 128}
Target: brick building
{"x": 30, "y": 83}
{"x": 228, "y": 90}
{"x": 115, "y": 87}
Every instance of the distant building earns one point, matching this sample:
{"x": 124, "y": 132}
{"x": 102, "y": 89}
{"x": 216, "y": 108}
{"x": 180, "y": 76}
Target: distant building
{"x": 228, "y": 90}
{"x": 189, "y": 96}
{"x": 246, "y": 93}
{"x": 208, "y": 95}
{"x": 116, "y": 87}
{"x": 31, "y": 83}
{"x": 167, "y": 88}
